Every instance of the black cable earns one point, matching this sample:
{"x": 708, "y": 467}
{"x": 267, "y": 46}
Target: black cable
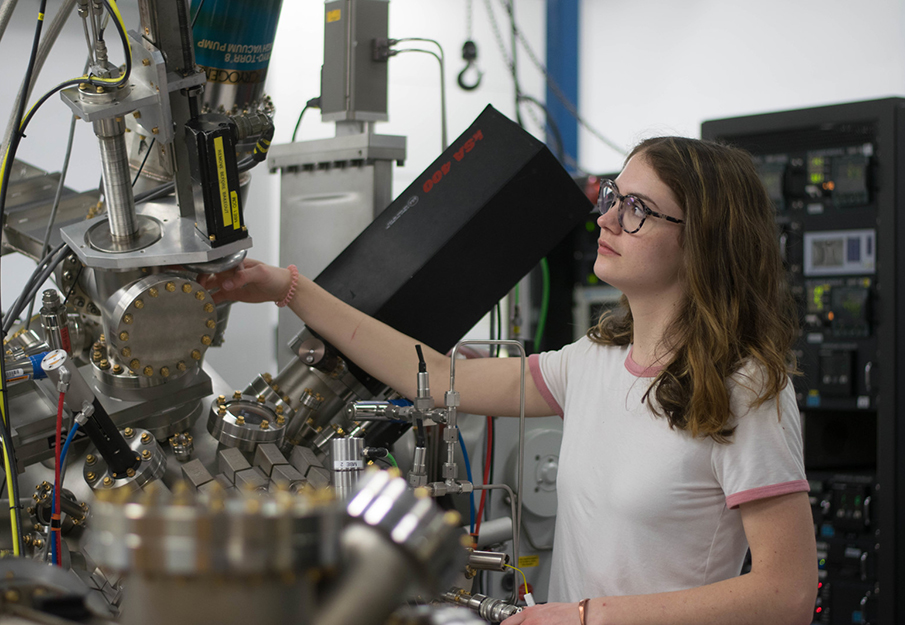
{"x": 510, "y": 8}
{"x": 197, "y": 13}
{"x": 143, "y": 161}
{"x": 75, "y": 281}
{"x": 551, "y": 124}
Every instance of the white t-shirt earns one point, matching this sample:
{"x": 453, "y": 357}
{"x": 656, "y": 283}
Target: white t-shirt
{"x": 643, "y": 508}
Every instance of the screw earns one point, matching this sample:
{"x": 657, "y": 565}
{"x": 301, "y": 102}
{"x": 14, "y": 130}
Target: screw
{"x": 90, "y": 459}
{"x": 208, "y": 308}
{"x": 117, "y": 369}
{"x": 165, "y": 372}
{"x": 130, "y": 472}
{"x": 196, "y": 354}
{"x": 237, "y": 395}
{"x": 127, "y": 318}
{"x": 211, "y": 237}
{"x": 99, "y": 89}
{"x": 286, "y": 399}
{"x": 265, "y": 424}
{"x": 267, "y": 377}
{"x": 221, "y": 399}
{"x": 180, "y": 365}
{"x": 170, "y": 287}
{"x": 137, "y": 114}
{"x": 148, "y": 371}
{"x": 139, "y": 304}
{"x": 146, "y": 62}
{"x": 261, "y": 399}
{"x": 134, "y": 364}
{"x": 281, "y": 420}
{"x": 67, "y": 275}
{"x": 206, "y": 340}
{"x": 155, "y": 130}
{"x": 39, "y": 543}
{"x": 279, "y": 410}
{"x": 153, "y": 292}
{"x": 126, "y": 352}
{"x": 123, "y": 336}
{"x": 104, "y": 364}
{"x": 128, "y": 432}
{"x": 240, "y": 420}
{"x": 199, "y": 295}
{"x": 146, "y": 455}
{"x": 276, "y": 388}
{"x": 210, "y": 323}
{"x": 221, "y": 411}
{"x": 90, "y": 476}
{"x": 146, "y": 438}
{"x": 108, "y": 481}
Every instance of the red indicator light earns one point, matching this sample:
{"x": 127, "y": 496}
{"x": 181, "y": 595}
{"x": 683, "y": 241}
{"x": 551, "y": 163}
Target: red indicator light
{"x": 818, "y": 610}
{"x": 819, "y": 585}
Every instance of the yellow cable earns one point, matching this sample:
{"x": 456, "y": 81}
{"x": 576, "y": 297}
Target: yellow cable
{"x": 525, "y": 579}
{"x": 14, "y": 520}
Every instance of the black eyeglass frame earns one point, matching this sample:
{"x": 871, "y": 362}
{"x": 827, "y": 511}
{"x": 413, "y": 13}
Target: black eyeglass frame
{"x": 609, "y": 184}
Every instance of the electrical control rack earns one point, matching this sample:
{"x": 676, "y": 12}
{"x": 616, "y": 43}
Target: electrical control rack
{"x": 836, "y": 175}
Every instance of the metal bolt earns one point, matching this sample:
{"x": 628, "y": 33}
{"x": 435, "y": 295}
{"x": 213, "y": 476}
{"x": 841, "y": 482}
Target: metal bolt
{"x": 108, "y": 481}
{"x": 267, "y": 377}
{"x": 196, "y": 354}
{"x": 146, "y": 438}
{"x": 96, "y": 356}
{"x": 139, "y": 304}
{"x": 199, "y": 295}
{"x": 90, "y": 459}
{"x": 221, "y": 399}
{"x": 153, "y": 292}
{"x": 117, "y": 369}
{"x": 130, "y": 472}
{"x": 237, "y": 395}
{"x": 210, "y": 323}
{"x": 221, "y": 411}
{"x": 126, "y": 352}
{"x": 281, "y": 420}
{"x": 67, "y": 275}
{"x": 148, "y": 371}
{"x": 123, "y": 336}
{"x": 39, "y": 528}
{"x": 127, "y": 318}
{"x": 211, "y": 237}
{"x": 261, "y": 399}
{"x": 146, "y": 62}
{"x": 99, "y": 89}
{"x": 206, "y": 339}
{"x": 265, "y": 424}
{"x": 155, "y": 130}
{"x": 279, "y": 410}
{"x": 128, "y": 432}
{"x": 287, "y": 399}
{"x": 137, "y": 114}
{"x": 146, "y": 455}
{"x": 240, "y": 420}
{"x": 104, "y": 364}
{"x": 170, "y": 287}
{"x": 39, "y": 544}
{"x": 90, "y": 476}
{"x": 180, "y": 365}
{"x": 186, "y": 288}
{"x": 134, "y": 364}
{"x": 165, "y": 372}
{"x": 276, "y": 388}
{"x": 208, "y": 308}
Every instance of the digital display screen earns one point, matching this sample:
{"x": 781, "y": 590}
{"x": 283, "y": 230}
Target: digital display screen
{"x": 827, "y": 253}
{"x": 850, "y": 174}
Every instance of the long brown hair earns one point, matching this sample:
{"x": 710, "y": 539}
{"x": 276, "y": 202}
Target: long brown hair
{"x": 737, "y": 309}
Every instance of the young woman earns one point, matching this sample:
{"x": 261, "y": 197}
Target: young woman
{"x": 681, "y": 428}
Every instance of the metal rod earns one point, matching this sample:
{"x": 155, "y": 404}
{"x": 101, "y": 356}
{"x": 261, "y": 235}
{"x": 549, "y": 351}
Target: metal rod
{"x": 117, "y": 177}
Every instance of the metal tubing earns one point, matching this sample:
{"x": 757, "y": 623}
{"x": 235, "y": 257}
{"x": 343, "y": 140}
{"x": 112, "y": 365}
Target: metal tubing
{"x": 6, "y": 12}
{"x": 517, "y": 518}
{"x": 516, "y": 530}
{"x": 117, "y": 177}
{"x": 488, "y": 560}
{"x": 348, "y": 464}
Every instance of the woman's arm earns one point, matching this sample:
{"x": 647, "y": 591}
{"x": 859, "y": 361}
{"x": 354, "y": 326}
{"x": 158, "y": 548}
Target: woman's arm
{"x": 486, "y": 385}
{"x": 780, "y": 589}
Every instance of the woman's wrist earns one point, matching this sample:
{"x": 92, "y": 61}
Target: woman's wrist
{"x": 293, "y": 285}
{"x": 583, "y": 611}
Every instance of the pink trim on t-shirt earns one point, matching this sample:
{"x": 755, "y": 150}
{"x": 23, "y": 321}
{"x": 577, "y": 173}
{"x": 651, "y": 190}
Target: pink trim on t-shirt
{"x": 538, "y": 377}
{"x": 637, "y": 370}
{"x": 753, "y": 494}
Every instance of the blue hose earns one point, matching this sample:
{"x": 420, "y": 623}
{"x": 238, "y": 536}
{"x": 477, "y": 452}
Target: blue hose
{"x": 53, "y": 500}
{"x": 468, "y": 472}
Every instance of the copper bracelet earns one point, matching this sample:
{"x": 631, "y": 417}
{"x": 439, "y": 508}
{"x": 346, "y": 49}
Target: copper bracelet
{"x": 582, "y": 610}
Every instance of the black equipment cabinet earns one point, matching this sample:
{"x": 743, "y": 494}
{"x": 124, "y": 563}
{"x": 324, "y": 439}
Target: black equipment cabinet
{"x": 836, "y": 175}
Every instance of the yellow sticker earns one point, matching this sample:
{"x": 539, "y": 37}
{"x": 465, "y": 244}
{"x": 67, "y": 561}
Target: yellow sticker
{"x": 225, "y": 204}
{"x": 234, "y": 197}
{"x": 334, "y": 16}
{"x": 526, "y": 562}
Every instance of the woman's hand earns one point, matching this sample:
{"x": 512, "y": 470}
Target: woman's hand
{"x": 251, "y": 281}
{"x": 546, "y": 614}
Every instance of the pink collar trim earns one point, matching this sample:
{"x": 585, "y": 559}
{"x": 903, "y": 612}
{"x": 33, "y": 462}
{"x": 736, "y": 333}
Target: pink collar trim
{"x": 637, "y": 370}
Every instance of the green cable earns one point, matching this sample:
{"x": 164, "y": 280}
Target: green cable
{"x": 392, "y": 460}
{"x": 545, "y": 303}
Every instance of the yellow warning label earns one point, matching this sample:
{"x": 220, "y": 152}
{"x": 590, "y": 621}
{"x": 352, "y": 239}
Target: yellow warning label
{"x": 334, "y": 16}
{"x": 225, "y": 204}
{"x": 234, "y": 202}
{"x": 526, "y": 562}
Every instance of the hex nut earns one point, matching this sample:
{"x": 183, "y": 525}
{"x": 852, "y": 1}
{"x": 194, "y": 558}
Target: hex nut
{"x": 170, "y": 287}
{"x": 186, "y": 288}
{"x": 146, "y": 438}
{"x": 196, "y": 354}
{"x": 208, "y": 308}
{"x": 206, "y": 340}
{"x": 128, "y": 432}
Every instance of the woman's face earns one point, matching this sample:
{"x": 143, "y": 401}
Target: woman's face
{"x": 646, "y": 263}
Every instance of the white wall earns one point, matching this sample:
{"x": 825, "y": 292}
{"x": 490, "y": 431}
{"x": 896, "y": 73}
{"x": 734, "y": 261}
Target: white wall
{"x": 647, "y": 67}
{"x": 651, "y": 67}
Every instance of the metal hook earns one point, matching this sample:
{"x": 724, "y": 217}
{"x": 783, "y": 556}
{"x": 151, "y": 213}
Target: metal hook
{"x": 470, "y": 55}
